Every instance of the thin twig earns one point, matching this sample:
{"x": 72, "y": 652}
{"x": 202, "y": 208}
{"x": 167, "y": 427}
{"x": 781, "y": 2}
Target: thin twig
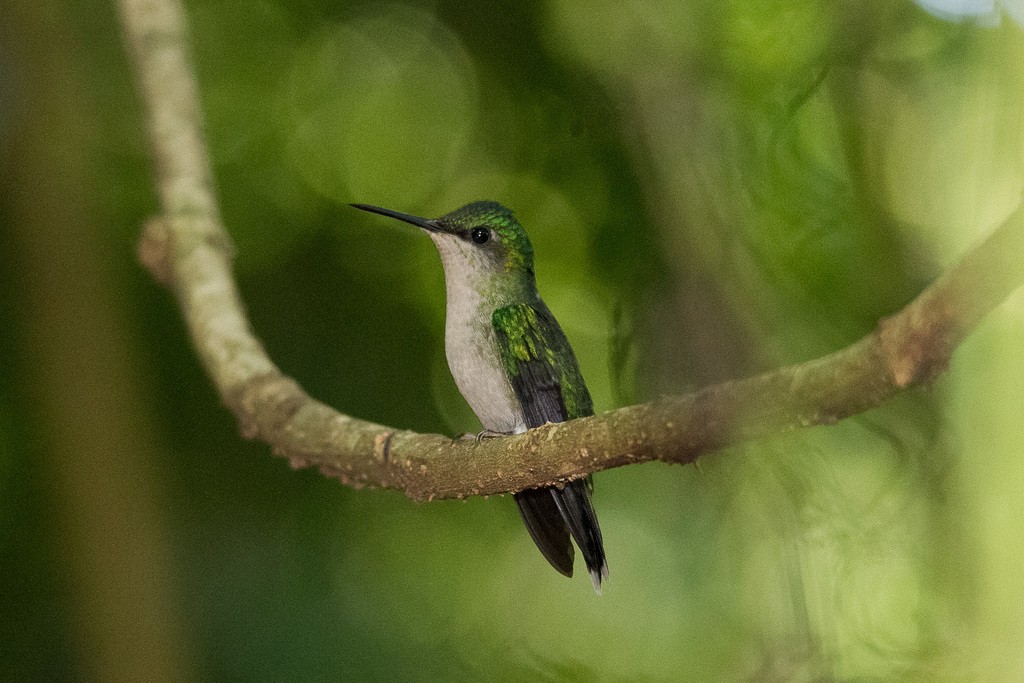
{"x": 188, "y": 249}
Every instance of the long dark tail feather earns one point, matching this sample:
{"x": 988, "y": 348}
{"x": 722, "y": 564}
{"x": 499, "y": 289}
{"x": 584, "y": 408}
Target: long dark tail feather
{"x": 545, "y": 524}
{"x": 574, "y": 504}
{"x": 551, "y": 514}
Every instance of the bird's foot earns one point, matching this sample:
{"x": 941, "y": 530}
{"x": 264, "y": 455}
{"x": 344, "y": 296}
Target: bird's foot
{"x": 490, "y": 434}
{"x": 480, "y": 436}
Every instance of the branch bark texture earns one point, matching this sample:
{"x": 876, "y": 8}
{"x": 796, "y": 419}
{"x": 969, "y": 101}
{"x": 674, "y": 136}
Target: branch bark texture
{"x": 188, "y": 249}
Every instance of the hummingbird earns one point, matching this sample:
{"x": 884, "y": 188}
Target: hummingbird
{"x": 512, "y": 362}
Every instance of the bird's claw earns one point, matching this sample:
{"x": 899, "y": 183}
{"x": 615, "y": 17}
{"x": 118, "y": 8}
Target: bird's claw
{"x": 480, "y": 436}
{"x": 489, "y": 434}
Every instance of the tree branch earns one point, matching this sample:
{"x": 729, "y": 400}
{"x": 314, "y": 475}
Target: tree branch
{"x": 189, "y": 250}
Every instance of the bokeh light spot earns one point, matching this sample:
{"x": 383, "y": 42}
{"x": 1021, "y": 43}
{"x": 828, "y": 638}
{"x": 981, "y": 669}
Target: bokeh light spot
{"x": 379, "y": 107}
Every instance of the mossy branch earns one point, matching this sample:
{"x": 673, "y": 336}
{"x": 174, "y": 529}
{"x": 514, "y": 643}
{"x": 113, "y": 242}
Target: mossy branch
{"x": 188, "y": 250}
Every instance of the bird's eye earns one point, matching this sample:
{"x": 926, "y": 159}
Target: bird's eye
{"x": 480, "y": 235}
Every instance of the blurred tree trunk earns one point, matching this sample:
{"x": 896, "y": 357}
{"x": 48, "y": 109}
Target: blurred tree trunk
{"x": 96, "y": 443}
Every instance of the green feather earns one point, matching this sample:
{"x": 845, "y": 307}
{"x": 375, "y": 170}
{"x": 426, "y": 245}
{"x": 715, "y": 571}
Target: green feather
{"x": 519, "y": 251}
{"x": 530, "y": 341}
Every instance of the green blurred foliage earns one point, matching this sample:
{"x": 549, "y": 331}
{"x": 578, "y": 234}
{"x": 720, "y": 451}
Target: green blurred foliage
{"x": 712, "y": 188}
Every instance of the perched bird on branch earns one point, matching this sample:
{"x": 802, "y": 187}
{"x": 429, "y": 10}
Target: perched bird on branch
{"x": 512, "y": 362}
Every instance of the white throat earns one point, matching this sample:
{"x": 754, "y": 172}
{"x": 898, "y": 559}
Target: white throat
{"x": 469, "y": 340}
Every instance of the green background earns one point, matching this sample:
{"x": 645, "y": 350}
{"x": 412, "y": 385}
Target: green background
{"x": 712, "y": 188}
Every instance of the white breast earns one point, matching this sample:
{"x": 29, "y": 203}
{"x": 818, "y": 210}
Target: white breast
{"x": 469, "y": 340}
{"x": 472, "y": 352}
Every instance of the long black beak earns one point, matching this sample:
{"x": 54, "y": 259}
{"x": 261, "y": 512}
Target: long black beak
{"x": 426, "y": 224}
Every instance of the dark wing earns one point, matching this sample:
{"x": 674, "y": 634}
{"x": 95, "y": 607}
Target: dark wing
{"x": 540, "y": 365}
{"x": 549, "y": 387}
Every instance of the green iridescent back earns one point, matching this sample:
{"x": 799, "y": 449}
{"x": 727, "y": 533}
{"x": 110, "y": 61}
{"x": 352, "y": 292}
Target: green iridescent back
{"x": 540, "y": 364}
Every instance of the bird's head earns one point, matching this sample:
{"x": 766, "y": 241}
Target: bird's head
{"x": 481, "y": 240}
